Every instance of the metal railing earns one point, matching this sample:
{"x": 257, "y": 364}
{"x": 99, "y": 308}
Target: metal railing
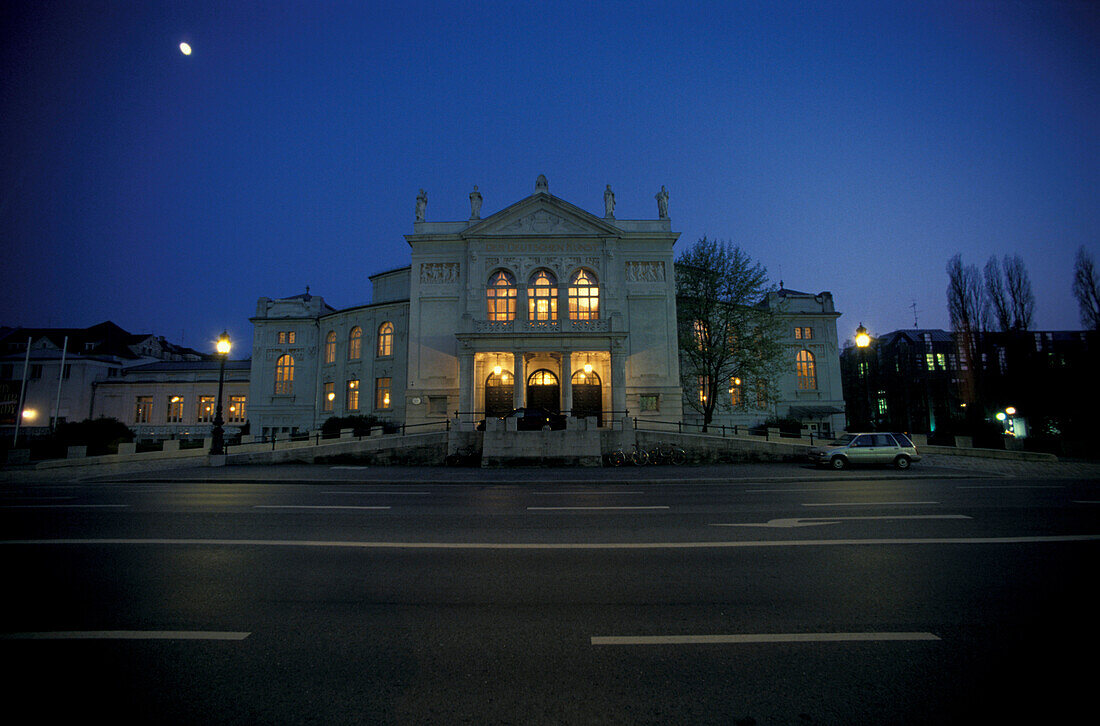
{"x": 720, "y": 430}
{"x": 316, "y": 437}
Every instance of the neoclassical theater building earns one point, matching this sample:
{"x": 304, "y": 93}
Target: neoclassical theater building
{"x": 539, "y": 304}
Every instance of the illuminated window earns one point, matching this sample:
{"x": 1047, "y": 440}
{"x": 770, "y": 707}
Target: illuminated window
{"x": 385, "y": 339}
{"x": 736, "y": 391}
{"x": 353, "y": 395}
{"x": 143, "y": 409}
{"x": 286, "y": 337}
{"x": 206, "y": 409}
{"x": 762, "y": 394}
{"x": 236, "y": 411}
{"x": 284, "y": 375}
{"x": 501, "y": 297}
{"x": 649, "y": 402}
{"x": 355, "y": 343}
{"x": 330, "y": 347}
{"x": 699, "y": 331}
{"x": 941, "y": 360}
{"x": 584, "y": 297}
{"x": 803, "y": 333}
{"x": 175, "y": 409}
{"x": 704, "y": 388}
{"x": 807, "y": 371}
{"x": 329, "y": 395}
{"x": 542, "y": 377}
{"x": 542, "y": 297}
{"x": 930, "y": 361}
{"x": 382, "y": 394}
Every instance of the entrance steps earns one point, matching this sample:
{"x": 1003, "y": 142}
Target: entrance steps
{"x": 577, "y": 445}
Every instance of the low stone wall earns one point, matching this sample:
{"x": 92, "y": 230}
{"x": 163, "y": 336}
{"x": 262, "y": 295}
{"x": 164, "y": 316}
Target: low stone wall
{"x": 576, "y": 445}
{"x": 711, "y": 449}
{"x": 1002, "y": 454}
{"x": 411, "y": 449}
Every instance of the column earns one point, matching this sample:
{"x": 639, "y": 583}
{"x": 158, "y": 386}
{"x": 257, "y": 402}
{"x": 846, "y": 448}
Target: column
{"x": 465, "y": 383}
{"x": 520, "y": 381}
{"x": 618, "y": 381}
{"x": 566, "y": 382}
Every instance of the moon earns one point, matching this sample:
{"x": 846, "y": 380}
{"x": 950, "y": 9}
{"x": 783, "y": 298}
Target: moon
{"x": 185, "y": 49}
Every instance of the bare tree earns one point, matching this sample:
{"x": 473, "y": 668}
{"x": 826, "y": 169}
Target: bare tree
{"x": 1008, "y": 294}
{"x": 995, "y": 293}
{"x": 1086, "y": 288}
{"x": 968, "y": 308}
{"x": 723, "y": 332}
{"x": 1019, "y": 292}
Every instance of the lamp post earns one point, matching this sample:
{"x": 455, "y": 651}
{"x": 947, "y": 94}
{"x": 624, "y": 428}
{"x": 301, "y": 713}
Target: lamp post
{"x": 862, "y": 341}
{"x": 217, "y": 435}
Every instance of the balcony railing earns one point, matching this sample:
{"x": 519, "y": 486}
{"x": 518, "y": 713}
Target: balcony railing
{"x": 522, "y": 325}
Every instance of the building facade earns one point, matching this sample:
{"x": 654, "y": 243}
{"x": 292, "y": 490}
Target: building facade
{"x": 541, "y": 304}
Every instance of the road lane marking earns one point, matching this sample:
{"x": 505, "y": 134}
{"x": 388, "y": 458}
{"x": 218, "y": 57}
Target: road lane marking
{"x": 660, "y": 506}
{"x": 742, "y": 638}
{"x": 127, "y": 635}
{"x": 815, "y": 521}
{"x": 65, "y": 506}
{"x": 313, "y": 506}
{"x": 867, "y": 504}
{"x": 714, "y": 544}
{"x": 1015, "y": 486}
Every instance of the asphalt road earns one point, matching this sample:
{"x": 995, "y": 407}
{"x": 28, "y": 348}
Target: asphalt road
{"x": 684, "y": 596}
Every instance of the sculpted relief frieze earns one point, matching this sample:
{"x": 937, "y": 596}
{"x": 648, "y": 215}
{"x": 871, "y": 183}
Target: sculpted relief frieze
{"x": 645, "y": 271}
{"x": 438, "y": 273}
{"x": 541, "y": 222}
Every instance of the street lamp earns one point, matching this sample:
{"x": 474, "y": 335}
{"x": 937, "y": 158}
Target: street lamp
{"x": 863, "y": 340}
{"x": 217, "y": 436}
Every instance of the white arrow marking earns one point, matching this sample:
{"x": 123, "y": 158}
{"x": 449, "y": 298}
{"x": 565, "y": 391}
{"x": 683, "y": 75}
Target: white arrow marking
{"x": 814, "y": 521}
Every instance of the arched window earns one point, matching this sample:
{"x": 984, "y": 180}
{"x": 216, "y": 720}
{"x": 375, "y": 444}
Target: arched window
{"x": 284, "y": 375}
{"x": 584, "y": 296}
{"x": 542, "y": 297}
{"x": 807, "y": 370}
{"x": 585, "y": 378}
{"x": 542, "y": 377}
{"x": 330, "y": 347}
{"x": 385, "y": 339}
{"x": 355, "y": 343}
{"x": 501, "y": 297}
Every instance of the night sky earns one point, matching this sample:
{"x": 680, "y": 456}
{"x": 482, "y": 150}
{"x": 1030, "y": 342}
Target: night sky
{"x": 851, "y": 147}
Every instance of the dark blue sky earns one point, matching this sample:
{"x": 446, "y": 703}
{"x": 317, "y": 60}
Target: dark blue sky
{"x": 851, "y": 147}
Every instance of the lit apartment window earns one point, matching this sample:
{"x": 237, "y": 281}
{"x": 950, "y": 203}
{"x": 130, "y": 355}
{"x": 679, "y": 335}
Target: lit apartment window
{"x": 286, "y": 337}
{"x": 501, "y": 297}
{"x": 801, "y": 333}
{"x": 584, "y": 297}
{"x": 355, "y": 343}
{"x": 237, "y": 413}
{"x": 382, "y": 393}
{"x": 385, "y": 339}
{"x": 704, "y": 388}
{"x": 807, "y": 371}
{"x": 284, "y": 375}
{"x": 353, "y": 395}
{"x": 699, "y": 331}
{"x": 736, "y": 391}
{"x": 330, "y": 347}
{"x": 175, "y": 409}
{"x": 143, "y": 409}
{"x": 542, "y": 297}
{"x": 206, "y": 409}
{"x": 329, "y": 396}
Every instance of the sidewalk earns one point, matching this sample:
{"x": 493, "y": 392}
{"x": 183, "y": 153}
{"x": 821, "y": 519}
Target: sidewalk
{"x": 931, "y": 467}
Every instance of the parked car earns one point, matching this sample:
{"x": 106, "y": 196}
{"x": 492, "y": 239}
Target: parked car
{"x": 867, "y": 448}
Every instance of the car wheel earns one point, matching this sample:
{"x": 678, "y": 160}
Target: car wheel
{"x": 902, "y": 462}
{"x": 838, "y": 462}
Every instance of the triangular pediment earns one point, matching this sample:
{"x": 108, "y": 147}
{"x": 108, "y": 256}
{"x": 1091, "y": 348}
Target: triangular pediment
{"x": 542, "y": 215}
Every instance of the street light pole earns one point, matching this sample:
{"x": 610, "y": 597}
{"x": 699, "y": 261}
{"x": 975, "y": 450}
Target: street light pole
{"x": 217, "y": 436}
{"x": 862, "y": 341}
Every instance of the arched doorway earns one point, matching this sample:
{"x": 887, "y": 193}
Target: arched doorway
{"x": 587, "y": 395}
{"x": 499, "y": 390}
{"x": 543, "y": 391}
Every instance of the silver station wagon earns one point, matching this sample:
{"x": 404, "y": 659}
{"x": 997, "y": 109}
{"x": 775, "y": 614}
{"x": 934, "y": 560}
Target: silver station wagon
{"x": 872, "y": 448}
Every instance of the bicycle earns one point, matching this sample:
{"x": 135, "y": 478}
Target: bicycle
{"x": 638, "y": 457}
{"x": 665, "y": 453}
